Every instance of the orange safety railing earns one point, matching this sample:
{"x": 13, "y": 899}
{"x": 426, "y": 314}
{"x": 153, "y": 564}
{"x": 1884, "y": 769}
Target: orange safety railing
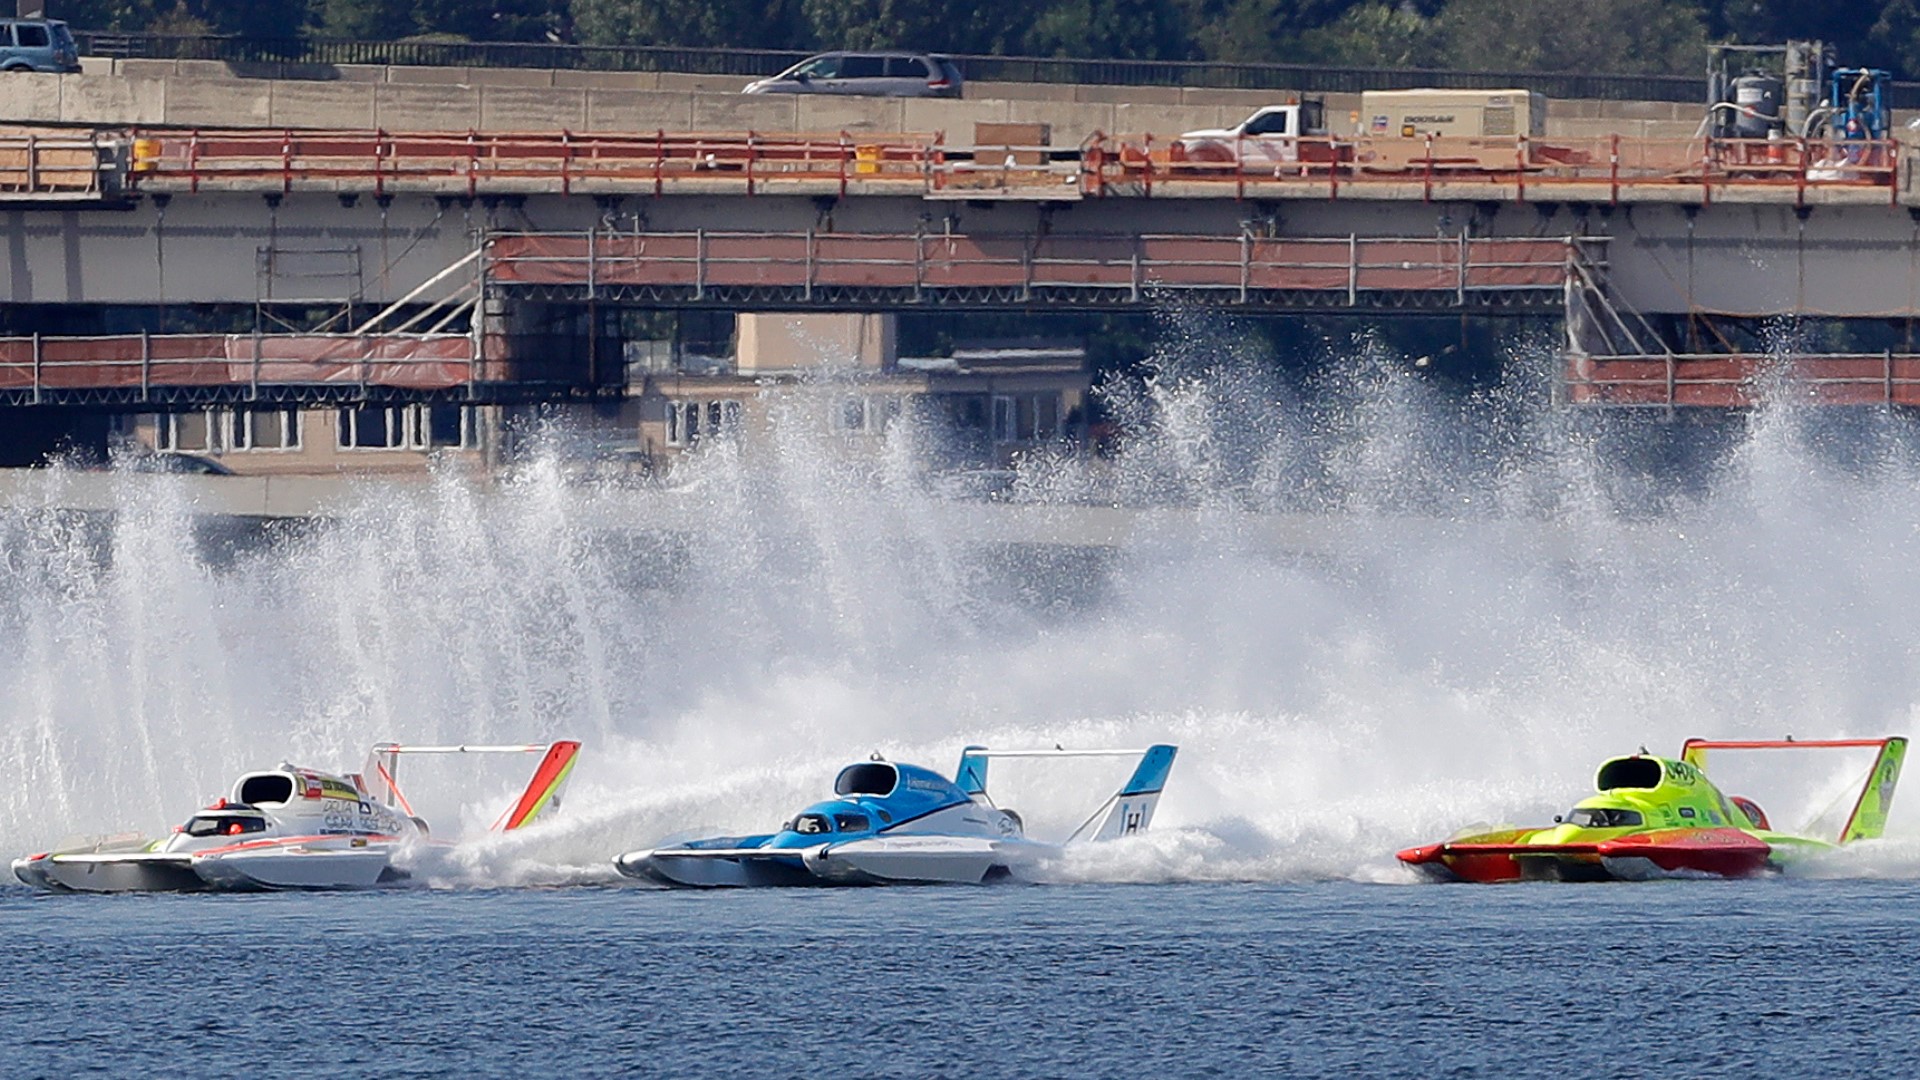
{"x": 145, "y": 362}
{"x": 564, "y": 161}
{"x": 1138, "y": 265}
{"x": 1739, "y": 381}
{"x": 1597, "y": 168}
{"x": 55, "y": 163}
{"x": 1604, "y": 165}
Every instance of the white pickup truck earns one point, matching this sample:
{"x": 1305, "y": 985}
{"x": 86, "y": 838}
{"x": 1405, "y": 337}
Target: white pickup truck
{"x": 1270, "y": 137}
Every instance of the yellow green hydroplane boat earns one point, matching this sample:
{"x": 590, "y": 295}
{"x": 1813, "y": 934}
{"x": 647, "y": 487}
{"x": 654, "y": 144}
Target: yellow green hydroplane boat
{"x": 1657, "y": 817}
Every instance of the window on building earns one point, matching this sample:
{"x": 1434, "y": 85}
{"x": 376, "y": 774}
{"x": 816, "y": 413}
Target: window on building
{"x": 871, "y": 414}
{"x": 1005, "y": 418}
{"x": 448, "y": 427}
{"x": 689, "y": 421}
{"x": 1025, "y": 418}
{"x": 377, "y": 428}
{"x": 185, "y": 432}
{"x": 275, "y": 429}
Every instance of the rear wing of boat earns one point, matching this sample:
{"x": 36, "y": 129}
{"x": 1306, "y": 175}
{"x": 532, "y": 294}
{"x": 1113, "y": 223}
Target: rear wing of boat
{"x": 1127, "y": 811}
{"x": 542, "y": 793}
{"x": 1868, "y": 819}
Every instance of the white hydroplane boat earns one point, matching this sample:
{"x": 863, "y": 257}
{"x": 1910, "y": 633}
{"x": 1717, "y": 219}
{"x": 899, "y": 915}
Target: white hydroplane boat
{"x": 288, "y": 828}
{"x": 902, "y": 824}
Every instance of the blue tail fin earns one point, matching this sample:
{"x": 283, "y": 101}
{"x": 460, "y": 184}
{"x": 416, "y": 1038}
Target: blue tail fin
{"x": 971, "y": 776}
{"x": 1131, "y": 809}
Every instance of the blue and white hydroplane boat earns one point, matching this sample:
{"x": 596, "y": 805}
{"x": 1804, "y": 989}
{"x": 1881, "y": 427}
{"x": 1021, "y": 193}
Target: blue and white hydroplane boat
{"x": 892, "y": 823}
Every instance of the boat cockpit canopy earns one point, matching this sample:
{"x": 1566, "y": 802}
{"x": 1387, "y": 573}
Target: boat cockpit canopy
{"x": 816, "y": 824}
{"x": 1601, "y": 817}
{"x": 224, "y": 825}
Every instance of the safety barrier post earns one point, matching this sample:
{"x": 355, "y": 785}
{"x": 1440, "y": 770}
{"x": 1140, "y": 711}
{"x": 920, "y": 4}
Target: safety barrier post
{"x": 1800, "y": 181}
{"x": 1889, "y": 368}
{"x": 1672, "y": 379}
{"x": 146, "y": 366}
{"x": 1246, "y": 263}
{"x": 806, "y": 289}
{"x": 1146, "y": 166}
{"x": 700, "y": 264}
{"x": 193, "y": 161}
{"x": 382, "y": 149}
{"x": 1613, "y": 169}
{"x": 1353, "y": 270}
{"x": 473, "y": 162}
{"x": 659, "y": 160}
{"x": 1240, "y": 167}
{"x": 1427, "y": 172}
{"x": 253, "y": 384}
{"x": 566, "y": 162}
{"x": 33, "y": 162}
{"x": 593, "y": 259}
{"x": 286, "y": 162}
{"x": 845, "y": 150}
{"x": 1460, "y": 288}
{"x": 751, "y": 146}
{"x": 1133, "y": 293}
{"x": 36, "y": 367}
{"x": 1520, "y": 170}
{"x": 919, "y": 261}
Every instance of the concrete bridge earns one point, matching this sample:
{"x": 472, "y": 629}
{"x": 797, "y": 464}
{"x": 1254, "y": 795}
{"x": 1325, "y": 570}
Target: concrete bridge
{"x": 440, "y": 249}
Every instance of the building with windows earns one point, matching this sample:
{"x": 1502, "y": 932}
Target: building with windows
{"x": 263, "y": 442}
{"x": 997, "y": 398}
{"x": 841, "y": 372}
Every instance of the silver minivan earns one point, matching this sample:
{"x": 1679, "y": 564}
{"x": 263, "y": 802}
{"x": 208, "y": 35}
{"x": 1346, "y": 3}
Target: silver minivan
{"x": 38, "y": 45}
{"x": 886, "y": 74}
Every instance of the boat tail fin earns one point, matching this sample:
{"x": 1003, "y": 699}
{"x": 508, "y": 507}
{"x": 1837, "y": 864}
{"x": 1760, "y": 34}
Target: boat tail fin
{"x": 971, "y": 776}
{"x": 543, "y": 791}
{"x": 1131, "y": 808}
{"x": 1869, "y": 818}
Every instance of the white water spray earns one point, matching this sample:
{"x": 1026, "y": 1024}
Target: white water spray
{"x": 1494, "y": 599}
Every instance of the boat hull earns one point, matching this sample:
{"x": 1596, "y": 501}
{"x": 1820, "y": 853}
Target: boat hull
{"x": 1728, "y": 853}
{"x": 110, "y": 873}
{"x": 894, "y": 860}
{"x": 295, "y": 868}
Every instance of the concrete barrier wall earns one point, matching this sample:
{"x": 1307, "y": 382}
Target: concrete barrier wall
{"x": 188, "y": 93}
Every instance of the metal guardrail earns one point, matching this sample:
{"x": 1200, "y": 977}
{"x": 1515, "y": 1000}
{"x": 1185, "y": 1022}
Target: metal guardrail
{"x": 1600, "y": 169}
{"x": 759, "y": 62}
{"x": 1069, "y": 269}
{"x": 40, "y": 368}
{"x": 59, "y": 165}
{"x": 1723, "y": 381}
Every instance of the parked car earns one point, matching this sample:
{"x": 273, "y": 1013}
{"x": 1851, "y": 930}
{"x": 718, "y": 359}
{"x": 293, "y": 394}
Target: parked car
{"x": 169, "y": 461}
{"x": 885, "y": 74}
{"x": 38, "y": 45}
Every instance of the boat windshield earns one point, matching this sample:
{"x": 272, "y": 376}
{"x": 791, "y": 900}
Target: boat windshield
{"x": 1603, "y": 818}
{"x": 851, "y": 822}
{"x": 810, "y": 824}
{"x": 224, "y": 825}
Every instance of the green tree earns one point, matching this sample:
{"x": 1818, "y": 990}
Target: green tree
{"x": 746, "y": 24}
{"x": 1652, "y": 36}
{"x": 1258, "y": 31}
{"x": 1373, "y": 35}
{"x": 1895, "y": 38}
{"x": 961, "y": 26}
{"x": 1120, "y": 29}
